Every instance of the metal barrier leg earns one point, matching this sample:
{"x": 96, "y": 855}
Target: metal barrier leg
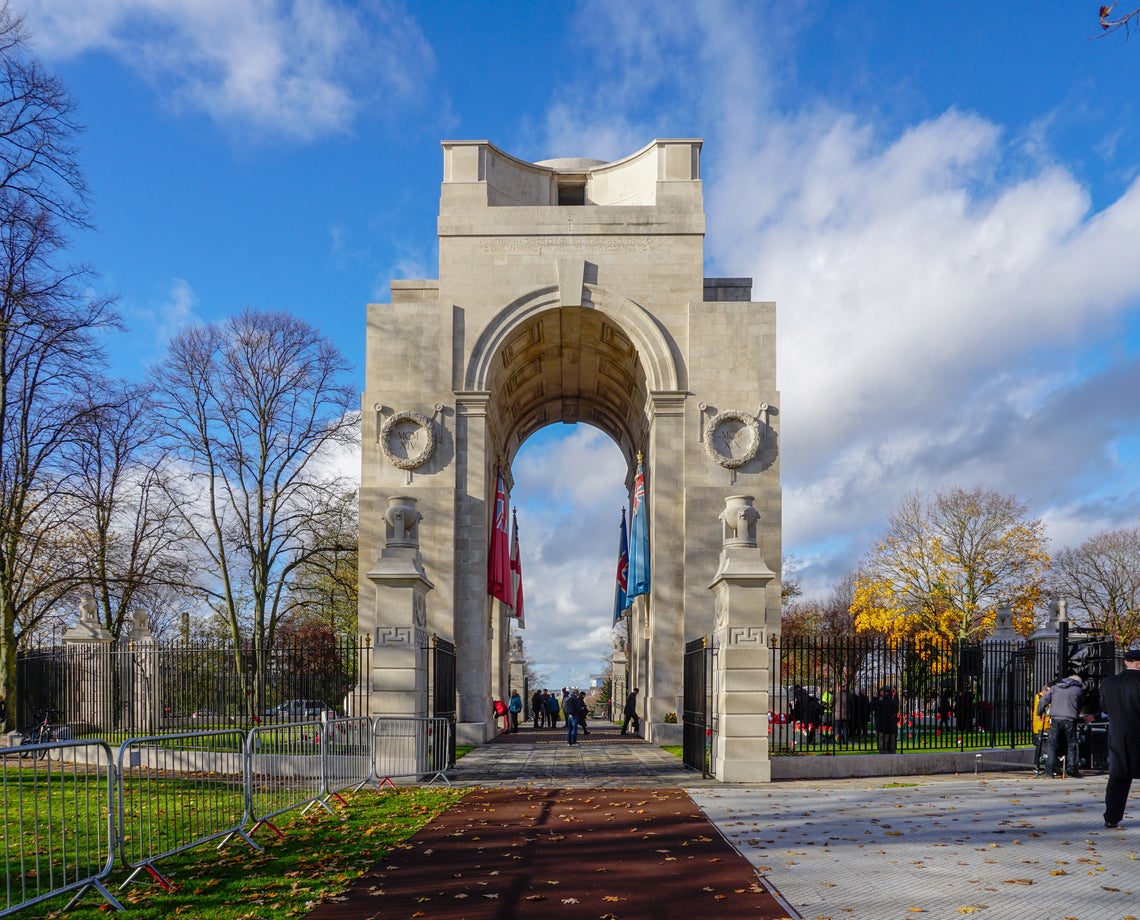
{"x": 154, "y": 874}
{"x": 101, "y": 888}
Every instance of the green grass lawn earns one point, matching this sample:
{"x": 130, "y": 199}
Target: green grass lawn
{"x": 319, "y": 856}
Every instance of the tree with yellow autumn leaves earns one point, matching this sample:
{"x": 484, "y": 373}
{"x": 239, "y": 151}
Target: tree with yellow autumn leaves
{"x": 944, "y": 565}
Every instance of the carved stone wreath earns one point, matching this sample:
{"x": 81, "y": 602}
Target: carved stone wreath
{"x": 407, "y": 439}
{"x": 732, "y": 438}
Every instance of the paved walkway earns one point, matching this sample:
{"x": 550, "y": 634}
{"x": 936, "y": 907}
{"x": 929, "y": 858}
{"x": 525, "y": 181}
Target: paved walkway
{"x": 541, "y": 757}
{"x": 995, "y": 845}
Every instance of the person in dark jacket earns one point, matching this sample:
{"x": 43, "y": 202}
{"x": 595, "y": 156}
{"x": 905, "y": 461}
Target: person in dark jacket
{"x": 887, "y": 720}
{"x": 574, "y": 707}
{"x": 1063, "y": 701}
{"x": 1120, "y": 695}
{"x": 630, "y": 713}
{"x": 538, "y": 708}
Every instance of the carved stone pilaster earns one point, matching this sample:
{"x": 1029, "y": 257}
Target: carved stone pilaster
{"x": 740, "y": 641}
{"x": 399, "y": 655}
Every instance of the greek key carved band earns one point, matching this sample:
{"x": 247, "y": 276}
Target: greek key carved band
{"x": 394, "y": 635}
{"x": 745, "y": 635}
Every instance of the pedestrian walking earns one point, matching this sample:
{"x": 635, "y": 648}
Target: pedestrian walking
{"x": 537, "y": 709}
{"x": 630, "y": 713}
{"x": 1120, "y": 695}
{"x": 514, "y": 707}
{"x": 573, "y": 707}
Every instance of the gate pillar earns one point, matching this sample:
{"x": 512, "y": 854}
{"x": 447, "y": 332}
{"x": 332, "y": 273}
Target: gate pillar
{"x": 91, "y": 664}
{"x": 399, "y": 655}
{"x": 741, "y": 659}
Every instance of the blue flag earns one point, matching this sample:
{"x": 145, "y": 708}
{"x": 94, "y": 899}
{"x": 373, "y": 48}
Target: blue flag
{"x": 621, "y": 602}
{"x": 639, "y": 539}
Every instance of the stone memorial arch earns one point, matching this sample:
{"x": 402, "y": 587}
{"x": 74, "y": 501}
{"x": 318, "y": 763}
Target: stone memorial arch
{"x": 572, "y": 290}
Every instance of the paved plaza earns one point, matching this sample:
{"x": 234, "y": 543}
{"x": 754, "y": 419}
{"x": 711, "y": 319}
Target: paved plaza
{"x": 992, "y": 845}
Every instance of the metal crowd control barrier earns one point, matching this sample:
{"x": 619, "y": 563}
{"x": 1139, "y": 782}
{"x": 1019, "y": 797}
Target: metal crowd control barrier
{"x": 59, "y": 830}
{"x": 407, "y": 747}
{"x": 284, "y": 771}
{"x": 177, "y": 792}
{"x": 347, "y": 747}
{"x": 66, "y": 815}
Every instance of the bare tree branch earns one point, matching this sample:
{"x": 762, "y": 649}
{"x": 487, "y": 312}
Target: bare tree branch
{"x": 1109, "y": 24}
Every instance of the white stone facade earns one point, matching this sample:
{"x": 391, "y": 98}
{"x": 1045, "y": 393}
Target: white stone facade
{"x": 570, "y": 291}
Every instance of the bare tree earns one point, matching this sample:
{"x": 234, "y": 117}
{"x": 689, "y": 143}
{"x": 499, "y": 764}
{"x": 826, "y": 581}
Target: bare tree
{"x": 831, "y": 616}
{"x": 48, "y": 338}
{"x": 135, "y": 546}
{"x": 47, "y": 350}
{"x": 324, "y": 587}
{"x": 1102, "y": 576}
{"x": 39, "y": 172}
{"x": 249, "y": 407}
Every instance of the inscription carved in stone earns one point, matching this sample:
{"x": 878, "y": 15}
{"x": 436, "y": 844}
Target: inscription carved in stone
{"x": 407, "y": 440}
{"x": 732, "y": 438}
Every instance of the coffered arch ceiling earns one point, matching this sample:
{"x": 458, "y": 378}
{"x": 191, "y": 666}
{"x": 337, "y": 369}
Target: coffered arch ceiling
{"x": 569, "y": 364}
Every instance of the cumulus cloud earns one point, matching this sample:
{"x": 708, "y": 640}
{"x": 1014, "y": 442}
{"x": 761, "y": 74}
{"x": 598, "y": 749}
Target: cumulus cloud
{"x": 569, "y": 498}
{"x": 300, "y": 68}
{"x": 952, "y": 309}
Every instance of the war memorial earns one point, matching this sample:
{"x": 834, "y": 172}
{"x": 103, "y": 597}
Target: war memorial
{"x": 573, "y": 291}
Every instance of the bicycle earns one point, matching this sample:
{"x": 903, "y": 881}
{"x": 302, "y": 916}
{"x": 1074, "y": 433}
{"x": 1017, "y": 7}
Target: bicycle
{"x": 42, "y": 732}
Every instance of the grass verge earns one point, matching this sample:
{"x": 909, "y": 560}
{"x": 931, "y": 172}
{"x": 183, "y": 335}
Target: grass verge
{"x": 319, "y": 856}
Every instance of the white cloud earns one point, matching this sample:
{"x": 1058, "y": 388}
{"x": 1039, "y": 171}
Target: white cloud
{"x": 299, "y": 68}
{"x": 153, "y": 325}
{"x": 569, "y": 494}
{"x": 952, "y": 311}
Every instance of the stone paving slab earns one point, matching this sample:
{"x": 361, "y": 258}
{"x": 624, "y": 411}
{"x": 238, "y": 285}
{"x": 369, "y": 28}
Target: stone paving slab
{"x": 541, "y": 757}
{"x": 993, "y": 846}
{"x": 1000, "y": 846}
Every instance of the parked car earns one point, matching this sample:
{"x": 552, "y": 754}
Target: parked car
{"x": 302, "y": 709}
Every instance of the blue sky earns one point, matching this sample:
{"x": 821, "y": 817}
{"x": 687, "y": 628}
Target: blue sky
{"x": 941, "y": 198}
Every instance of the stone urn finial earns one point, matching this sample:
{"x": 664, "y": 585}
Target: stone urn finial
{"x": 403, "y": 521}
{"x": 739, "y": 519}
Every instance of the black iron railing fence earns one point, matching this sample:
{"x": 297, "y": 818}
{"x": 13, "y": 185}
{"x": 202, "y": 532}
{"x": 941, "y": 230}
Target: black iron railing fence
{"x": 826, "y": 692}
{"x": 96, "y": 689}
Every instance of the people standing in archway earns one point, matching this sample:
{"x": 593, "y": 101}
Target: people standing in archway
{"x": 514, "y": 706}
{"x": 630, "y": 713}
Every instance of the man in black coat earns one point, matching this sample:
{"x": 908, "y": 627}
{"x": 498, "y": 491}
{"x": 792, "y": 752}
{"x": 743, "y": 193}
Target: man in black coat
{"x": 1121, "y": 700}
{"x": 887, "y": 720}
{"x": 630, "y": 713}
